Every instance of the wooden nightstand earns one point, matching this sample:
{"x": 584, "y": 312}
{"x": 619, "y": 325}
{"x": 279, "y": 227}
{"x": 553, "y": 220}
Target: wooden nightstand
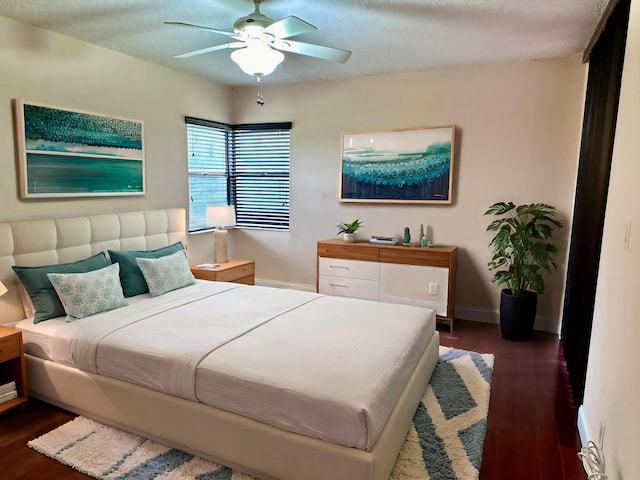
{"x": 236, "y": 271}
{"x": 12, "y": 366}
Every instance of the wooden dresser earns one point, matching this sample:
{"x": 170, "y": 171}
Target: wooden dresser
{"x": 423, "y": 276}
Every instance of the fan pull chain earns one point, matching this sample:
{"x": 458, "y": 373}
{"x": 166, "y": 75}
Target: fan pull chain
{"x": 260, "y": 100}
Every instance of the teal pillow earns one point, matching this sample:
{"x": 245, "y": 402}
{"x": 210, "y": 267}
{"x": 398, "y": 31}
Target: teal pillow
{"x": 131, "y": 278}
{"x": 44, "y": 297}
{"x": 84, "y": 294}
{"x": 166, "y": 273}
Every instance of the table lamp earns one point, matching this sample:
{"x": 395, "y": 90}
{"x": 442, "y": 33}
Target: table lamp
{"x": 220, "y": 217}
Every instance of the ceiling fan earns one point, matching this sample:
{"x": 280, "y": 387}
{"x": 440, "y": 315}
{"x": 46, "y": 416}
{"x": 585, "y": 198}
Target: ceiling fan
{"x": 260, "y": 41}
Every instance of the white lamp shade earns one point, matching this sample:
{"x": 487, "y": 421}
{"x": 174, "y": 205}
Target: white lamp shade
{"x": 3, "y": 289}
{"x": 257, "y": 58}
{"x": 221, "y": 216}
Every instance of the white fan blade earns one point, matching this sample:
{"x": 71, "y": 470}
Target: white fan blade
{"x": 289, "y": 27}
{"x": 209, "y": 29}
{"x": 312, "y": 50}
{"x": 210, "y": 49}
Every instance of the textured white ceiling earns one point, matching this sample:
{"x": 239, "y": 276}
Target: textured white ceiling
{"x": 384, "y": 35}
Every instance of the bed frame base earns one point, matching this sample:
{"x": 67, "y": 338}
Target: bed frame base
{"x": 226, "y": 438}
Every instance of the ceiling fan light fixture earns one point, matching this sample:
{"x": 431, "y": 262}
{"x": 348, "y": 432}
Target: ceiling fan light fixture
{"x": 257, "y": 59}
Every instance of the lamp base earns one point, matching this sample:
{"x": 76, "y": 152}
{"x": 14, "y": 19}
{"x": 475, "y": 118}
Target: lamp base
{"x": 220, "y": 254}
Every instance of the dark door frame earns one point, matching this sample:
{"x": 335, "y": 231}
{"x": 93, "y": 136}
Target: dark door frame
{"x": 598, "y": 132}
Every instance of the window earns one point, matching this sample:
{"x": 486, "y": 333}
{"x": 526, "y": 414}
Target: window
{"x": 208, "y": 172}
{"x": 242, "y": 165}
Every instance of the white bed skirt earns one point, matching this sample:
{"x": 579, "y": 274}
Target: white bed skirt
{"x": 223, "y": 437}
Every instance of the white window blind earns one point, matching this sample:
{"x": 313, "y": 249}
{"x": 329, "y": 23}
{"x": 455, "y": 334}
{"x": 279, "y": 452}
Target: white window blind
{"x": 260, "y": 176}
{"x": 243, "y": 165}
{"x": 208, "y": 171}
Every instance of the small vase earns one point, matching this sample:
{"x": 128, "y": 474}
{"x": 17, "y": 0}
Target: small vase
{"x": 349, "y": 237}
{"x": 406, "y": 238}
{"x": 424, "y": 241}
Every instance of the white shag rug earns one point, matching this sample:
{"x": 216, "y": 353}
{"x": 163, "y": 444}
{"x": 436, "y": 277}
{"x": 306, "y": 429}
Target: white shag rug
{"x": 444, "y": 442}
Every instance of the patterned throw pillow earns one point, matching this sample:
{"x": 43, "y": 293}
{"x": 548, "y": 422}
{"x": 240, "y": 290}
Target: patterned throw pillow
{"x": 84, "y": 294}
{"x": 166, "y": 273}
{"x": 36, "y": 283}
{"x": 131, "y": 278}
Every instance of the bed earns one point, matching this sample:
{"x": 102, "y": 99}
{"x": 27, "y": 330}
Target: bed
{"x": 239, "y": 398}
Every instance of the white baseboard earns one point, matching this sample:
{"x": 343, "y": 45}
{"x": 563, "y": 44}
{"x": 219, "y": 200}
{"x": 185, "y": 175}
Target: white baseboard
{"x": 583, "y": 426}
{"x": 543, "y": 324}
{"x": 477, "y": 314}
{"x": 263, "y": 282}
{"x": 548, "y": 324}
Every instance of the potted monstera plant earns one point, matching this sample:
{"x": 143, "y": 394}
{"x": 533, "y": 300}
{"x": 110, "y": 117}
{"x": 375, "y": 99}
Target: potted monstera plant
{"x": 522, "y": 249}
{"x": 348, "y": 230}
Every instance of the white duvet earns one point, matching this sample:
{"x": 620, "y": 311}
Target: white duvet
{"x": 326, "y": 367}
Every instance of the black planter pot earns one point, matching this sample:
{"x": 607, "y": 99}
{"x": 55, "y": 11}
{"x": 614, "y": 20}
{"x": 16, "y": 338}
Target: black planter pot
{"x": 517, "y": 315}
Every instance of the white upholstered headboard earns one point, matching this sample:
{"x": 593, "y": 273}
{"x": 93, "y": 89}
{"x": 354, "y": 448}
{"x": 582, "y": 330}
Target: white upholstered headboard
{"x": 46, "y": 242}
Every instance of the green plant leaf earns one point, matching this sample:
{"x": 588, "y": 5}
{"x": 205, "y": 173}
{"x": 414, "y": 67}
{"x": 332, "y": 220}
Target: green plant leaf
{"x": 520, "y": 250}
{"x": 499, "y": 208}
{"x": 350, "y": 227}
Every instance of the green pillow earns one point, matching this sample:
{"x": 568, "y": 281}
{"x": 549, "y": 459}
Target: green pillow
{"x": 166, "y": 273}
{"x": 84, "y": 294}
{"x": 38, "y": 286}
{"x": 131, "y": 278}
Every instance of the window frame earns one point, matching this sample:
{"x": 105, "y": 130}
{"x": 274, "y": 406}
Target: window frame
{"x": 244, "y": 177}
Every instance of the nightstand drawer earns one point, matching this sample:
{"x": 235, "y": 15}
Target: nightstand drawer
{"x": 248, "y": 280}
{"x": 236, "y": 273}
{"x": 9, "y": 347}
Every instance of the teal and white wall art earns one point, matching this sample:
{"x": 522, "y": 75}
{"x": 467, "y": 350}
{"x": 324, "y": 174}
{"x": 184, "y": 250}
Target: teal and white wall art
{"x": 71, "y": 153}
{"x": 404, "y": 166}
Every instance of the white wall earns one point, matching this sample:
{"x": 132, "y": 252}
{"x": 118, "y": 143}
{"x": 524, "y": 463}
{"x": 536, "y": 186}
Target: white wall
{"x": 613, "y": 375}
{"x": 518, "y": 133}
{"x": 44, "y": 67}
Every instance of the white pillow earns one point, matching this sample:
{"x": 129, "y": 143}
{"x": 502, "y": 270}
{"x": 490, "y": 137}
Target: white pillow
{"x": 166, "y": 273}
{"x": 84, "y": 294}
{"x": 27, "y": 304}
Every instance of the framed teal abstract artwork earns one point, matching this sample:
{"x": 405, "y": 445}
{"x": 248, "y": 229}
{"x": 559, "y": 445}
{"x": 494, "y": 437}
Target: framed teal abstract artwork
{"x": 71, "y": 153}
{"x": 403, "y": 166}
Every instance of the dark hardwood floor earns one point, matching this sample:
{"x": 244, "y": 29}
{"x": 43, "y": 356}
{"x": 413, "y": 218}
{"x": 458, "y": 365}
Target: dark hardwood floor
{"x": 531, "y": 430}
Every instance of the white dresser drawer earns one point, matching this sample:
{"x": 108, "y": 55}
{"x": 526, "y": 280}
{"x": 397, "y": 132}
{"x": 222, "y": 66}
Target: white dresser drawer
{"x": 348, "y": 287}
{"x": 339, "y": 267}
{"x": 424, "y": 277}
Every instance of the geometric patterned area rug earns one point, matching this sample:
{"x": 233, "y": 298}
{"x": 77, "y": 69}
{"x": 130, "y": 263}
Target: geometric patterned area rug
{"x": 444, "y": 443}
{"x": 446, "y": 439}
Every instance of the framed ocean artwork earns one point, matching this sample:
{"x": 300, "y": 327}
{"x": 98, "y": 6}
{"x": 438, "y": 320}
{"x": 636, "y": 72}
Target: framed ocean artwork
{"x": 403, "y": 166}
{"x": 71, "y": 153}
